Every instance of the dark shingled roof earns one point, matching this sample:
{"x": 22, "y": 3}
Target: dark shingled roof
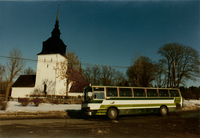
{"x": 25, "y": 81}
{"x": 79, "y": 82}
{"x": 78, "y": 87}
{"x": 53, "y": 46}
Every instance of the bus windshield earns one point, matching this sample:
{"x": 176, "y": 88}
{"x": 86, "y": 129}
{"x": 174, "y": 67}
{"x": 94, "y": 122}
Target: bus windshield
{"x": 86, "y": 91}
{"x": 98, "y": 93}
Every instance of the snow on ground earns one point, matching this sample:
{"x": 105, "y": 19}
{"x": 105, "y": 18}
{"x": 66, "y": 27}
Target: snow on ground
{"x": 14, "y": 106}
{"x": 191, "y": 105}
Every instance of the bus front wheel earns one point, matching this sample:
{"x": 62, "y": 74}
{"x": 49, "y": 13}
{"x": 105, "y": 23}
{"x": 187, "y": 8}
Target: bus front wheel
{"x": 163, "y": 110}
{"x": 112, "y": 113}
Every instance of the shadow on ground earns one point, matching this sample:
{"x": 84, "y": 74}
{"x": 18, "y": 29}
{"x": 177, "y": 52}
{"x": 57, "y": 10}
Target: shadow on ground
{"x": 76, "y": 114}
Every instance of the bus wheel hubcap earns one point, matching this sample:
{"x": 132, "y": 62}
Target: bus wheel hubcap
{"x": 164, "y": 111}
{"x": 113, "y": 113}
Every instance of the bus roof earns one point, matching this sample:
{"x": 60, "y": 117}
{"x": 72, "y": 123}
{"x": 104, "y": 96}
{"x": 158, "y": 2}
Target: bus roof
{"x": 129, "y": 87}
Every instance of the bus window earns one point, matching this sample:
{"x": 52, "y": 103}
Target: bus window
{"x": 174, "y": 93}
{"x": 125, "y": 92}
{"x": 152, "y": 93}
{"x": 98, "y": 95}
{"x": 112, "y": 92}
{"x": 139, "y": 93}
{"x": 163, "y": 93}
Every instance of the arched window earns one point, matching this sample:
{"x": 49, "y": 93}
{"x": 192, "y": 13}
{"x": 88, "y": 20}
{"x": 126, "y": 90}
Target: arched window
{"x": 45, "y": 88}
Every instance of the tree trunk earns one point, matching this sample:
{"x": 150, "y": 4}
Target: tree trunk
{"x": 174, "y": 74}
{"x": 8, "y": 90}
{"x": 67, "y": 87}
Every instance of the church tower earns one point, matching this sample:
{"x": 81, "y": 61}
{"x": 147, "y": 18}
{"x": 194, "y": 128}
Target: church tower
{"x": 53, "y": 52}
{"x": 46, "y": 79}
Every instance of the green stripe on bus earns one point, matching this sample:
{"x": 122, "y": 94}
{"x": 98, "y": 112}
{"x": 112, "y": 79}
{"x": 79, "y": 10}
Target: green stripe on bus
{"x": 134, "y": 105}
{"x": 95, "y": 101}
{"x": 177, "y": 100}
{"x": 145, "y": 98}
{"x": 133, "y": 111}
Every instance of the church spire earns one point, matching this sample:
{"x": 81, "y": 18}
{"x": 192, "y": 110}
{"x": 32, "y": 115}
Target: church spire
{"x": 56, "y": 32}
{"x": 54, "y": 45}
{"x": 57, "y": 18}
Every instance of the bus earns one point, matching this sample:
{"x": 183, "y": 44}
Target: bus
{"x": 113, "y": 101}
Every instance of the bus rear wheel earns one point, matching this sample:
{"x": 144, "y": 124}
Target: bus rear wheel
{"x": 112, "y": 113}
{"x": 163, "y": 110}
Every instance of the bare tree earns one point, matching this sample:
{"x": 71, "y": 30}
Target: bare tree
{"x": 104, "y": 75}
{"x": 181, "y": 63}
{"x": 92, "y": 75}
{"x": 73, "y": 61}
{"x": 14, "y": 66}
{"x": 107, "y": 76}
{"x": 160, "y": 75}
{"x": 142, "y": 72}
{"x": 87, "y": 74}
{"x": 120, "y": 79}
{"x": 68, "y": 69}
{"x": 29, "y": 71}
{"x": 2, "y": 75}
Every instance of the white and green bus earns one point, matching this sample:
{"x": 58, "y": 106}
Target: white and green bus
{"x": 113, "y": 100}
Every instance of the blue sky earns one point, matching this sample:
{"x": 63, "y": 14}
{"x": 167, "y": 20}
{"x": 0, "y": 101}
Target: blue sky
{"x": 100, "y": 32}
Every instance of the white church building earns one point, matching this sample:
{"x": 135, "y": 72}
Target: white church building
{"x": 46, "y": 80}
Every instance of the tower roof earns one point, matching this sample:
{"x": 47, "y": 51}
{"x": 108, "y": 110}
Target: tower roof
{"x": 54, "y": 45}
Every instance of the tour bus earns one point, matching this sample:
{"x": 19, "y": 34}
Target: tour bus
{"x": 114, "y": 100}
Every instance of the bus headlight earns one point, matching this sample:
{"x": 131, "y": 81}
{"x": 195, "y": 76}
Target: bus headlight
{"x": 89, "y": 95}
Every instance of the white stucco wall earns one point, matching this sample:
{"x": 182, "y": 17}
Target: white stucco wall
{"x": 46, "y": 74}
{"x": 21, "y": 92}
{"x": 75, "y": 94}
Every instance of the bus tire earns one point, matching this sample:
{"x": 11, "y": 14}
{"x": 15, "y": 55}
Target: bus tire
{"x": 112, "y": 113}
{"x": 163, "y": 110}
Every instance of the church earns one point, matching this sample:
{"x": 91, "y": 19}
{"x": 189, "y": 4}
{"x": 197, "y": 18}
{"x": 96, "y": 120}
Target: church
{"x": 46, "y": 81}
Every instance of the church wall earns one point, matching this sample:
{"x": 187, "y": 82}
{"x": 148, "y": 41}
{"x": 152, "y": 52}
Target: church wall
{"x": 75, "y": 94}
{"x": 60, "y": 84}
{"x": 46, "y": 74}
{"x": 21, "y": 92}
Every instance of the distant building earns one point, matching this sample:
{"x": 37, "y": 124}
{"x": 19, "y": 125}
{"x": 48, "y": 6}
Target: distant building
{"x": 45, "y": 80}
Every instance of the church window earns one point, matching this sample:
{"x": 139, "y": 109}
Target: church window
{"x": 45, "y": 89}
